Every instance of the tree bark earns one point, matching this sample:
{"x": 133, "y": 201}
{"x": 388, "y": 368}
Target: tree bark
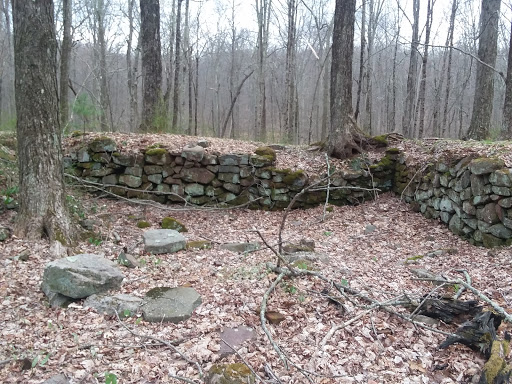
{"x": 263, "y": 8}
{"x": 361, "y": 60}
{"x": 410, "y": 100}
{"x": 444, "y": 123}
{"x": 290, "y": 124}
{"x": 100, "y": 12}
{"x": 65, "y": 55}
{"x": 43, "y": 210}
{"x": 484, "y": 90}
{"x": 506, "y": 128}
{"x": 151, "y": 62}
{"x": 131, "y": 66}
{"x": 341, "y": 141}
{"x": 177, "y": 64}
{"x": 423, "y": 81}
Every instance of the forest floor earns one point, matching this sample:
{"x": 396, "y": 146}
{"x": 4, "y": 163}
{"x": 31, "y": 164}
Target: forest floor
{"x": 376, "y": 347}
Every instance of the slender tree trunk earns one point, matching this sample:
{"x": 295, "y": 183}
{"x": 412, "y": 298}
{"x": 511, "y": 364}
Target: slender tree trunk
{"x": 410, "y": 100}
{"x": 423, "y": 81}
{"x": 341, "y": 143}
{"x": 151, "y": 62}
{"x": 131, "y": 75}
{"x": 177, "y": 64}
{"x": 263, "y": 9}
{"x": 170, "y": 71}
{"x": 43, "y": 210}
{"x": 289, "y": 113}
{"x": 506, "y": 128}
{"x": 392, "y": 123}
{"x": 487, "y": 51}
{"x": 65, "y": 56}
{"x": 326, "y": 87}
{"x": 449, "y": 68}
{"x": 103, "y": 76}
{"x": 361, "y": 60}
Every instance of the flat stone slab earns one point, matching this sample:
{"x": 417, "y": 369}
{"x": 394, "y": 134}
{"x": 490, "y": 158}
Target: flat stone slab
{"x": 173, "y": 305}
{"x": 125, "y": 305}
{"x": 81, "y": 275}
{"x": 158, "y": 241}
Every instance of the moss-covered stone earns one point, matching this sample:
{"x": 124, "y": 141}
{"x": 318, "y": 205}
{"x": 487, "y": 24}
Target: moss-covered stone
{"x": 266, "y": 152}
{"x": 236, "y": 373}
{"x": 156, "y": 151}
{"x": 172, "y": 223}
{"x": 381, "y": 140}
{"x": 392, "y": 151}
{"x": 485, "y": 165}
{"x": 143, "y": 224}
{"x": 103, "y": 144}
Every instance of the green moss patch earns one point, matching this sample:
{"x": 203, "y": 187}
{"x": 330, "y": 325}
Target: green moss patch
{"x": 266, "y": 152}
{"x": 172, "y": 223}
{"x": 198, "y": 244}
{"x": 156, "y": 151}
{"x": 143, "y": 224}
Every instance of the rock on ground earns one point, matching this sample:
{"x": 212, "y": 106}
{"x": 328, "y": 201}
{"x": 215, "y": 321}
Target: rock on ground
{"x": 81, "y": 276}
{"x": 170, "y": 304}
{"x": 123, "y": 304}
{"x": 157, "y": 241}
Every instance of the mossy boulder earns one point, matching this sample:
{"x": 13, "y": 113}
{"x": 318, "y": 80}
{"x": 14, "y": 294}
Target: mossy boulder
{"x": 236, "y": 373}
{"x": 103, "y": 144}
{"x": 172, "y": 223}
{"x": 143, "y": 224}
{"x": 380, "y": 140}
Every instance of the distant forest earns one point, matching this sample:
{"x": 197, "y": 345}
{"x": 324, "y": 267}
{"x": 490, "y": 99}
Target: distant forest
{"x": 260, "y": 69}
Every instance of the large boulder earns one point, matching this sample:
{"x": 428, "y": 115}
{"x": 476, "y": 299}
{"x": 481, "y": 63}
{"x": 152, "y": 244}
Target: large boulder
{"x": 159, "y": 241}
{"x": 81, "y": 276}
{"x": 170, "y": 304}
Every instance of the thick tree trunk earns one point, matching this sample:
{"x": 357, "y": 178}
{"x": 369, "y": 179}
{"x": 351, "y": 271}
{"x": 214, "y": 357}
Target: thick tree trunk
{"x": 65, "y": 55}
{"x": 43, "y": 210}
{"x": 484, "y": 90}
{"x": 341, "y": 141}
{"x": 361, "y": 60}
{"x": 506, "y": 129}
{"x": 151, "y": 61}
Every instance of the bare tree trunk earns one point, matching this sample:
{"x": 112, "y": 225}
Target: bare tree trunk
{"x": 151, "y": 62}
{"x": 263, "y": 8}
{"x": 449, "y": 68}
{"x": 289, "y": 113}
{"x": 177, "y": 64}
{"x": 170, "y": 72}
{"x": 341, "y": 143}
{"x": 131, "y": 66}
{"x": 43, "y": 210}
{"x": 423, "y": 81}
{"x": 410, "y": 100}
{"x": 326, "y": 88}
{"x": 103, "y": 77}
{"x": 487, "y": 51}
{"x": 65, "y": 55}
{"x": 361, "y": 60}
{"x": 506, "y": 128}
{"x": 392, "y": 123}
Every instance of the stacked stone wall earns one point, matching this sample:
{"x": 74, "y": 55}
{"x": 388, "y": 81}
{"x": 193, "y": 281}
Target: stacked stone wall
{"x": 473, "y": 196}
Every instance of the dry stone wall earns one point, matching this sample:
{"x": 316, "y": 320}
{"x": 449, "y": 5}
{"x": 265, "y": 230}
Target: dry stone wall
{"x": 197, "y": 177}
{"x": 473, "y": 196}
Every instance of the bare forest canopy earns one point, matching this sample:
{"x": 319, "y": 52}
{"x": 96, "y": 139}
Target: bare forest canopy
{"x": 261, "y": 69}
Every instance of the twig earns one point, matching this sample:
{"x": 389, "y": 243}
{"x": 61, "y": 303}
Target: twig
{"x": 462, "y": 288}
{"x": 328, "y": 187}
{"x": 279, "y": 256}
{"x": 263, "y": 320}
{"x": 412, "y": 179}
{"x": 168, "y": 344}
{"x": 271, "y": 374}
